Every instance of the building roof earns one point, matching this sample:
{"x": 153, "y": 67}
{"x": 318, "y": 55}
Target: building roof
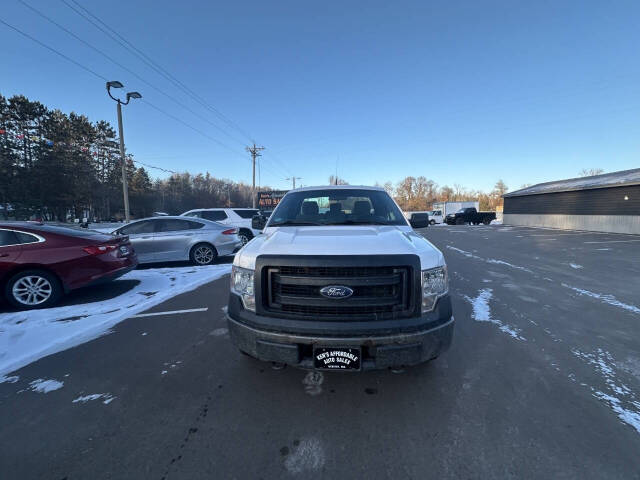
{"x": 606, "y": 180}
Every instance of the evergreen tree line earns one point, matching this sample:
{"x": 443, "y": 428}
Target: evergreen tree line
{"x": 62, "y": 167}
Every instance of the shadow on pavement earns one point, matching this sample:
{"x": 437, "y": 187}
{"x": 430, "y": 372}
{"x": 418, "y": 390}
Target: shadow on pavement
{"x": 98, "y": 293}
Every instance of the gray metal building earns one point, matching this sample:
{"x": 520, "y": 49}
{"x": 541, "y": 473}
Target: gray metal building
{"x": 601, "y": 203}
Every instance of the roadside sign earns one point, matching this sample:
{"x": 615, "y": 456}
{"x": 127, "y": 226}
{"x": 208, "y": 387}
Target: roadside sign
{"x": 269, "y": 200}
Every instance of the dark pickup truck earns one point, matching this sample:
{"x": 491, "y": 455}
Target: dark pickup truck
{"x": 470, "y": 216}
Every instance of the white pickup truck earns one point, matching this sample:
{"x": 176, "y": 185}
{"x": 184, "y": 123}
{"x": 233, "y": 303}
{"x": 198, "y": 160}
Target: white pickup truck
{"x": 339, "y": 281}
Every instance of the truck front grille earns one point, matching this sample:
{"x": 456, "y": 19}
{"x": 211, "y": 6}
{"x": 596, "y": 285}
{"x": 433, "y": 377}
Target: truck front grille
{"x": 378, "y": 292}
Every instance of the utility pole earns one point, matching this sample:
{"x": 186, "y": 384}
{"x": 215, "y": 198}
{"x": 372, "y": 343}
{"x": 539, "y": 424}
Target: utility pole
{"x": 130, "y": 95}
{"x": 293, "y": 179}
{"x": 255, "y": 153}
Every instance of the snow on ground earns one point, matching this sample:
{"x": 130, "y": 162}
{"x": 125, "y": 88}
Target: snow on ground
{"x": 488, "y": 260}
{"x": 496, "y": 222}
{"x": 107, "y": 398}
{"x": 45, "y": 386}
{"x": 482, "y": 312}
{"x": 13, "y": 379}
{"x": 575, "y": 266}
{"x": 28, "y": 336}
{"x": 605, "y": 298}
{"x": 620, "y": 399}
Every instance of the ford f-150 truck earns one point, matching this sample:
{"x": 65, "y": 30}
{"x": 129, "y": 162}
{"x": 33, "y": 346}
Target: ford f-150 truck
{"x": 470, "y": 216}
{"x": 339, "y": 281}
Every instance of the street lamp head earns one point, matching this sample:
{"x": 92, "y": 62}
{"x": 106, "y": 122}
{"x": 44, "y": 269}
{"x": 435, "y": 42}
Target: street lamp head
{"x": 131, "y": 95}
{"x": 114, "y": 84}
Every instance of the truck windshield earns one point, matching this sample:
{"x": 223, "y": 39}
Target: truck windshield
{"x": 337, "y": 207}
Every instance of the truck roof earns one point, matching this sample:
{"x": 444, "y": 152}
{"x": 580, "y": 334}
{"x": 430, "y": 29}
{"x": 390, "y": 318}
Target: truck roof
{"x": 337, "y": 187}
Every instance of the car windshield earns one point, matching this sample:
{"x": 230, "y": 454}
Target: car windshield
{"x": 337, "y": 207}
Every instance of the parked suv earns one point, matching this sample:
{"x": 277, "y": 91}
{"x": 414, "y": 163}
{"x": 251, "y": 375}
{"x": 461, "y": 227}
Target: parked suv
{"x": 237, "y": 217}
{"x": 340, "y": 281}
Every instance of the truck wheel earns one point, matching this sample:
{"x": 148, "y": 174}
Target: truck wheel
{"x": 33, "y": 289}
{"x": 459, "y": 221}
{"x": 432, "y": 222}
{"x": 486, "y": 221}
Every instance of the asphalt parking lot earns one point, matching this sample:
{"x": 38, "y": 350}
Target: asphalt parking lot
{"x": 542, "y": 381}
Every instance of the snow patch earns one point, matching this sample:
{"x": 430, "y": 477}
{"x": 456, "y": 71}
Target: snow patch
{"x": 13, "y": 379}
{"x": 627, "y": 416}
{"x": 604, "y": 364}
{"x": 502, "y": 262}
{"x": 496, "y": 222}
{"x": 605, "y": 298}
{"x": 313, "y": 383}
{"x": 576, "y": 266}
{"x": 488, "y": 260}
{"x": 28, "y": 336}
{"x": 219, "y": 332}
{"x": 108, "y": 398}
{"x": 481, "y": 312}
{"x": 308, "y": 456}
{"x": 45, "y": 386}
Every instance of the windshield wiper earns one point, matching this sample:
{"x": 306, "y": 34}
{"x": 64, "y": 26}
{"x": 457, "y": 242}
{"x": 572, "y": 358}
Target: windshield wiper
{"x": 293, "y": 223}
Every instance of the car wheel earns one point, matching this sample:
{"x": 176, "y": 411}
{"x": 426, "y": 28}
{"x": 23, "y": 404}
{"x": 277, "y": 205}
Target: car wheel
{"x": 486, "y": 222}
{"x": 203, "y": 254}
{"x": 33, "y": 289}
{"x": 459, "y": 221}
{"x": 244, "y": 237}
{"x": 432, "y": 222}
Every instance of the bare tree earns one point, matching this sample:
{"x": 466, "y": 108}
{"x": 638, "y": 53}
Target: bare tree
{"x": 333, "y": 180}
{"x": 590, "y": 172}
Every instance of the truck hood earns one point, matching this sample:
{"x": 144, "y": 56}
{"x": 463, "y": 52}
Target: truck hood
{"x": 339, "y": 240}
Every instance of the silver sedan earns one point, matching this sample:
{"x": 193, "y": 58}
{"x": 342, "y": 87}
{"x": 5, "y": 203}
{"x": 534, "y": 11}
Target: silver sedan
{"x": 174, "y": 239}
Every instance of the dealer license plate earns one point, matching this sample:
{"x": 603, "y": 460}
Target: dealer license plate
{"x": 336, "y": 358}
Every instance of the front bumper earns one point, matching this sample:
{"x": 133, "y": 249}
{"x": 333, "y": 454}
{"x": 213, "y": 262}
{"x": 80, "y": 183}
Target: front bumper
{"x": 384, "y": 343}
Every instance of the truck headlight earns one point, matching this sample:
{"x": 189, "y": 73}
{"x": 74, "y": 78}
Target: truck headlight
{"x": 242, "y": 284}
{"x": 435, "y": 284}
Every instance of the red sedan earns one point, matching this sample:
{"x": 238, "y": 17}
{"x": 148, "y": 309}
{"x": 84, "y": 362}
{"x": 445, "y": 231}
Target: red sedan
{"x": 39, "y": 263}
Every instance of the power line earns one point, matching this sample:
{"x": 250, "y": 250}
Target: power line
{"x": 61, "y": 27}
{"x": 42, "y": 44}
{"x": 69, "y": 59}
{"x": 127, "y": 45}
{"x": 153, "y": 166}
{"x": 190, "y": 126}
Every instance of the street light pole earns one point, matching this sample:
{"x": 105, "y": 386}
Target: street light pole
{"x": 125, "y": 186}
{"x": 130, "y": 95}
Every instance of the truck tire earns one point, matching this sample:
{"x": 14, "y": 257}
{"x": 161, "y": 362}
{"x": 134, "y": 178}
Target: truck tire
{"x": 432, "y": 222}
{"x": 486, "y": 221}
{"x": 459, "y": 221}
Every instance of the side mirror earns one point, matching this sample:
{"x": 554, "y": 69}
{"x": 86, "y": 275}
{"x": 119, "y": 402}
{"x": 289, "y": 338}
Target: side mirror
{"x": 419, "y": 221}
{"x": 258, "y": 222}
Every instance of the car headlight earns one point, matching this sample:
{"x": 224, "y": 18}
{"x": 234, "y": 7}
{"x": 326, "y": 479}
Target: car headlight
{"x": 242, "y": 284}
{"x": 435, "y": 284}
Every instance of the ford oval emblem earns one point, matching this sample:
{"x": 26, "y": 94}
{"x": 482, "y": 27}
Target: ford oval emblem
{"x": 336, "y": 291}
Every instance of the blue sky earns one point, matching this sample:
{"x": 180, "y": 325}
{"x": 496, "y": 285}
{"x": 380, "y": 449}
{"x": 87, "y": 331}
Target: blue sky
{"x": 460, "y": 92}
